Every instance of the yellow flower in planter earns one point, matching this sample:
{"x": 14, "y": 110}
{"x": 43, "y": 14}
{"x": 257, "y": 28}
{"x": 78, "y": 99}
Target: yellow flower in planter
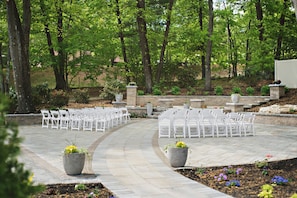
{"x": 180, "y": 144}
{"x": 71, "y": 149}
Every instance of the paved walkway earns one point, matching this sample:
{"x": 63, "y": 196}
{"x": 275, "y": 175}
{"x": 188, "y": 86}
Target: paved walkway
{"x": 129, "y": 160}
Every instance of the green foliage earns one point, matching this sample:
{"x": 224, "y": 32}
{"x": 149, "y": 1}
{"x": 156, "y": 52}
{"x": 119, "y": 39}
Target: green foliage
{"x": 156, "y": 90}
{"x": 236, "y": 90}
{"x": 265, "y": 90}
{"x": 140, "y": 92}
{"x": 191, "y": 91}
{"x": 266, "y": 192}
{"x": 13, "y": 100}
{"x": 81, "y": 96}
{"x": 111, "y": 88}
{"x": 41, "y": 94}
{"x": 175, "y": 90}
{"x": 15, "y": 180}
{"x": 250, "y": 91}
{"x": 59, "y": 98}
{"x": 219, "y": 90}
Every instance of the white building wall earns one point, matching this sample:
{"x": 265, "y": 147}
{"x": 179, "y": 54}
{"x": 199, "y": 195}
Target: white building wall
{"x": 286, "y": 71}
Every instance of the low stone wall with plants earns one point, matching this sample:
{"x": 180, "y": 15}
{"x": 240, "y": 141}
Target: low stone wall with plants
{"x": 209, "y": 100}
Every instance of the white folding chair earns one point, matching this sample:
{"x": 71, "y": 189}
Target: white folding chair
{"x": 164, "y": 125}
{"x": 46, "y": 118}
{"x": 64, "y": 119}
{"x": 234, "y": 123}
{"x": 179, "y": 123}
{"x": 192, "y": 123}
{"x": 247, "y": 124}
{"x": 206, "y": 122}
{"x": 125, "y": 114}
{"x": 55, "y": 119}
{"x": 221, "y": 126}
{"x": 75, "y": 119}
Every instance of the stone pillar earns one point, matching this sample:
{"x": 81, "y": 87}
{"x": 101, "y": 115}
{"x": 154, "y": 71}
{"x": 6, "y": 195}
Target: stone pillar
{"x": 131, "y": 94}
{"x": 276, "y": 91}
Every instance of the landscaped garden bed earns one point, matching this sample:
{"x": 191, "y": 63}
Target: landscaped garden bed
{"x": 242, "y": 181}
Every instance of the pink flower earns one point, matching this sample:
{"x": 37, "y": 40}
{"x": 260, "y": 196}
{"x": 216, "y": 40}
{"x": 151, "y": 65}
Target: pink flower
{"x": 268, "y": 156}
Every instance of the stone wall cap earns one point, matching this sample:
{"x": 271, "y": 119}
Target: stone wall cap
{"x": 276, "y": 85}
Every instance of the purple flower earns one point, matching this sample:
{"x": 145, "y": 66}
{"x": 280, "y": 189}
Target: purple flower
{"x": 233, "y": 183}
{"x": 238, "y": 171}
{"x": 279, "y": 180}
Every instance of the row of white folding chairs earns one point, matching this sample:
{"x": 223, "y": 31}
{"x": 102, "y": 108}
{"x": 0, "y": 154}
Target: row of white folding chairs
{"x": 205, "y": 123}
{"x": 86, "y": 119}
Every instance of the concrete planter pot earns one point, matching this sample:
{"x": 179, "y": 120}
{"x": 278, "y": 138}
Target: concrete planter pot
{"x": 178, "y": 156}
{"x": 119, "y": 97}
{"x": 74, "y": 163}
{"x": 235, "y": 98}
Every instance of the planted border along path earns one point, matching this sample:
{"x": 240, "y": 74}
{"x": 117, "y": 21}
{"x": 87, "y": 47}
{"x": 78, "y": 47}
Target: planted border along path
{"x": 128, "y": 160}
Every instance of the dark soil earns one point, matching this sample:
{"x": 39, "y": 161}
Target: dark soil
{"x": 69, "y": 191}
{"x": 251, "y": 178}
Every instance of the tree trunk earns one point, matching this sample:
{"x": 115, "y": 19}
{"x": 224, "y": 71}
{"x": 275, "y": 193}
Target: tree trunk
{"x": 209, "y": 47}
{"x": 281, "y": 31}
{"x": 259, "y": 12}
{"x": 60, "y": 75}
{"x": 247, "y": 54}
{"x": 146, "y": 60}
{"x": 201, "y": 47}
{"x": 165, "y": 42}
{"x": 2, "y": 86}
{"x": 19, "y": 51}
{"x": 121, "y": 35}
{"x": 295, "y": 7}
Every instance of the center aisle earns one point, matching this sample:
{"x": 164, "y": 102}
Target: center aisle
{"x": 126, "y": 163}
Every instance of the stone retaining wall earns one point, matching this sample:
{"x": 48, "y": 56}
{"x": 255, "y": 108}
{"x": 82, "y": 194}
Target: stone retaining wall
{"x": 209, "y": 100}
{"x": 275, "y": 119}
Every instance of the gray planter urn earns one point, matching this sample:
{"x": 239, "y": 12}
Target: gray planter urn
{"x": 119, "y": 97}
{"x": 235, "y": 98}
{"x": 177, "y": 156}
{"x": 149, "y": 108}
{"x": 74, "y": 163}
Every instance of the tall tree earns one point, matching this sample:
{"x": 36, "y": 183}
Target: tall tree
{"x": 295, "y": 7}
{"x": 165, "y": 41}
{"x": 122, "y": 38}
{"x": 259, "y": 12}
{"x": 209, "y": 46}
{"x": 281, "y": 31}
{"x": 19, "y": 49}
{"x": 146, "y": 60}
{"x": 202, "y": 45}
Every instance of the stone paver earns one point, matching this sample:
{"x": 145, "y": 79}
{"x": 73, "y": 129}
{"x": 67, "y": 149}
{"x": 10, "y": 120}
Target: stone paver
{"x": 130, "y": 161}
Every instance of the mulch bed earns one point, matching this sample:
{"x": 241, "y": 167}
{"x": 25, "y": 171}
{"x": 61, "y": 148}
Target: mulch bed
{"x": 91, "y": 190}
{"x": 251, "y": 178}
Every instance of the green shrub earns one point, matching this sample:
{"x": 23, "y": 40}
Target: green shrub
{"x": 236, "y": 90}
{"x": 81, "y": 96}
{"x": 191, "y": 91}
{"x": 175, "y": 90}
{"x": 13, "y": 100}
{"x": 15, "y": 180}
{"x": 265, "y": 90}
{"x": 140, "y": 92}
{"x": 156, "y": 90}
{"x": 219, "y": 90}
{"x": 250, "y": 91}
{"x": 43, "y": 91}
{"x": 59, "y": 98}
